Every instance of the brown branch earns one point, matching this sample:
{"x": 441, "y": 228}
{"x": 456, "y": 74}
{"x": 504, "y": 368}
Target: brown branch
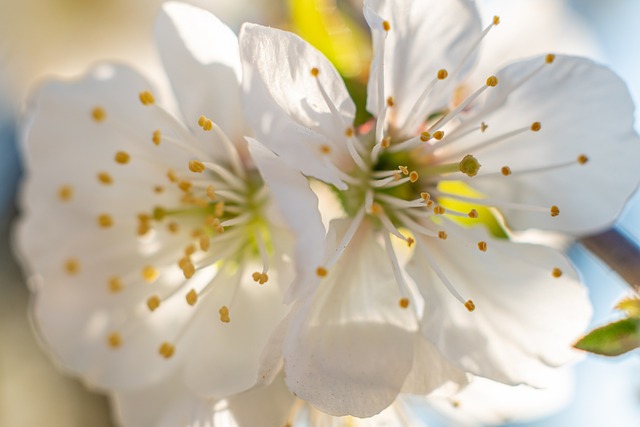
{"x": 620, "y": 253}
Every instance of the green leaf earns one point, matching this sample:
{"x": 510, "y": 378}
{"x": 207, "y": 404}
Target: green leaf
{"x": 613, "y": 339}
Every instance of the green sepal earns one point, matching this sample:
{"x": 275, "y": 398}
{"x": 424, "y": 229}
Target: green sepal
{"x": 613, "y": 339}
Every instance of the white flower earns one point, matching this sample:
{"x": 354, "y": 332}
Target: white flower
{"x": 155, "y": 253}
{"x": 548, "y": 142}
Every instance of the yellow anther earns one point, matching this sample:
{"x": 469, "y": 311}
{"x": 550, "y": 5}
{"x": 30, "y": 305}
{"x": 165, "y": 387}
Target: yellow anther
{"x": 184, "y": 185}
{"x": 171, "y": 174}
{"x": 256, "y": 276}
{"x": 192, "y": 297}
{"x": 430, "y": 203}
{"x": 582, "y": 159}
{"x": 473, "y": 213}
{"x": 321, "y": 272}
{"x": 190, "y": 250}
{"x": 264, "y": 278}
{"x": 166, "y": 350}
{"x": 105, "y": 178}
{"x": 218, "y": 210}
{"x": 325, "y": 149}
{"x": 492, "y": 81}
{"x": 425, "y": 136}
{"x": 196, "y": 166}
{"x": 156, "y": 137}
{"x": 404, "y": 302}
{"x": 410, "y": 241}
{"x": 105, "y": 221}
{"x": 114, "y": 340}
{"x": 469, "y": 165}
{"x": 390, "y": 101}
{"x": 122, "y": 157}
{"x": 208, "y": 125}
{"x": 555, "y": 211}
{"x": 505, "y": 170}
{"x": 404, "y": 170}
{"x": 211, "y": 193}
{"x": 550, "y": 58}
{"x": 536, "y": 126}
{"x": 349, "y": 132}
{"x": 188, "y": 270}
{"x": 158, "y": 189}
{"x": 376, "y": 209}
{"x": 153, "y": 302}
{"x": 386, "y": 25}
{"x": 556, "y": 272}
{"x": 426, "y": 197}
{"x": 115, "y": 285}
{"x": 211, "y": 221}
{"x": 72, "y": 266}
{"x": 483, "y": 127}
{"x": 386, "y": 142}
{"x": 149, "y": 274}
{"x": 159, "y": 213}
{"x": 224, "y": 314}
{"x": 442, "y": 74}
{"x": 438, "y": 210}
{"x": 147, "y": 98}
{"x": 65, "y": 193}
{"x": 183, "y": 261}
{"x": 413, "y": 176}
{"x": 470, "y": 305}
{"x": 315, "y": 72}
{"x": 438, "y": 135}
{"x": 442, "y": 235}
{"x": 205, "y": 243}
{"x": 496, "y": 20}
{"x": 201, "y": 121}
{"x": 173, "y": 227}
{"x": 99, "y": 114}
{"x": 482, "y": 246}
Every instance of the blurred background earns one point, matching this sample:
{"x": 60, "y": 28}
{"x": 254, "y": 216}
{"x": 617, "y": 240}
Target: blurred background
{"x": 61, "y": 38}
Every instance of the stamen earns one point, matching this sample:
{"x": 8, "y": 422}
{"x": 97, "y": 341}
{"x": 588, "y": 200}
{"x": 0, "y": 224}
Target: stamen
{"x": 321, "y": 272}
{"x": 482, "y": 246}
{"x": 556, "y": 272}
{"x": 554, "y": 211}
{"x": 115, "y": 285}
{"x": 404, "y": 302}
{"x": 470, "y": 305}
{"x": 156, "y": 137}
{"x": 149, "y": 274}
{"x": 192, "y": 297}
{"x": 166, "y": 350}
{"x": 484, "y": 144}
{"x": 443, "y": 277}
{"x": 224, "y": 314}
{"x": 147, "y": 98}
{"x": 65, "y": 193}
{"x": 506, "y": 170}
{"x": 105, "y": 178}
{"x": 122, "y": 157}
{"x": 99, "y": 114}
{"x": 397, "y": 272}
{"x": 105, "y": 221}
{"x": 72, "y": 266}
{"x": 114, "y": 340}
{"x": 153, "y": 302}
{"x": 346, "y": 239}
{"x": 582, "y": 159}
{"x": 473, "y": 214}
{"x": 196, "y": 166}
{"x": 442, "y": 235}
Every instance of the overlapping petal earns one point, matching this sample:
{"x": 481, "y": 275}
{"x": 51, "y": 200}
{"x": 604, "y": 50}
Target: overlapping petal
{"x": 524, "y": 318}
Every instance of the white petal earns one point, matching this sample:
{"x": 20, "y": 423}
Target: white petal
{"x": 431, "y": 371}
{"x": 525, "y": 319}
{"x": 425, "y": 36}
{"x": 285, "y": 104}
{"x": 200, "y": 55}
{"x": 584, "y": 109}
{"x": 350, "y": 346}
{"x": 299, "y": 206}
